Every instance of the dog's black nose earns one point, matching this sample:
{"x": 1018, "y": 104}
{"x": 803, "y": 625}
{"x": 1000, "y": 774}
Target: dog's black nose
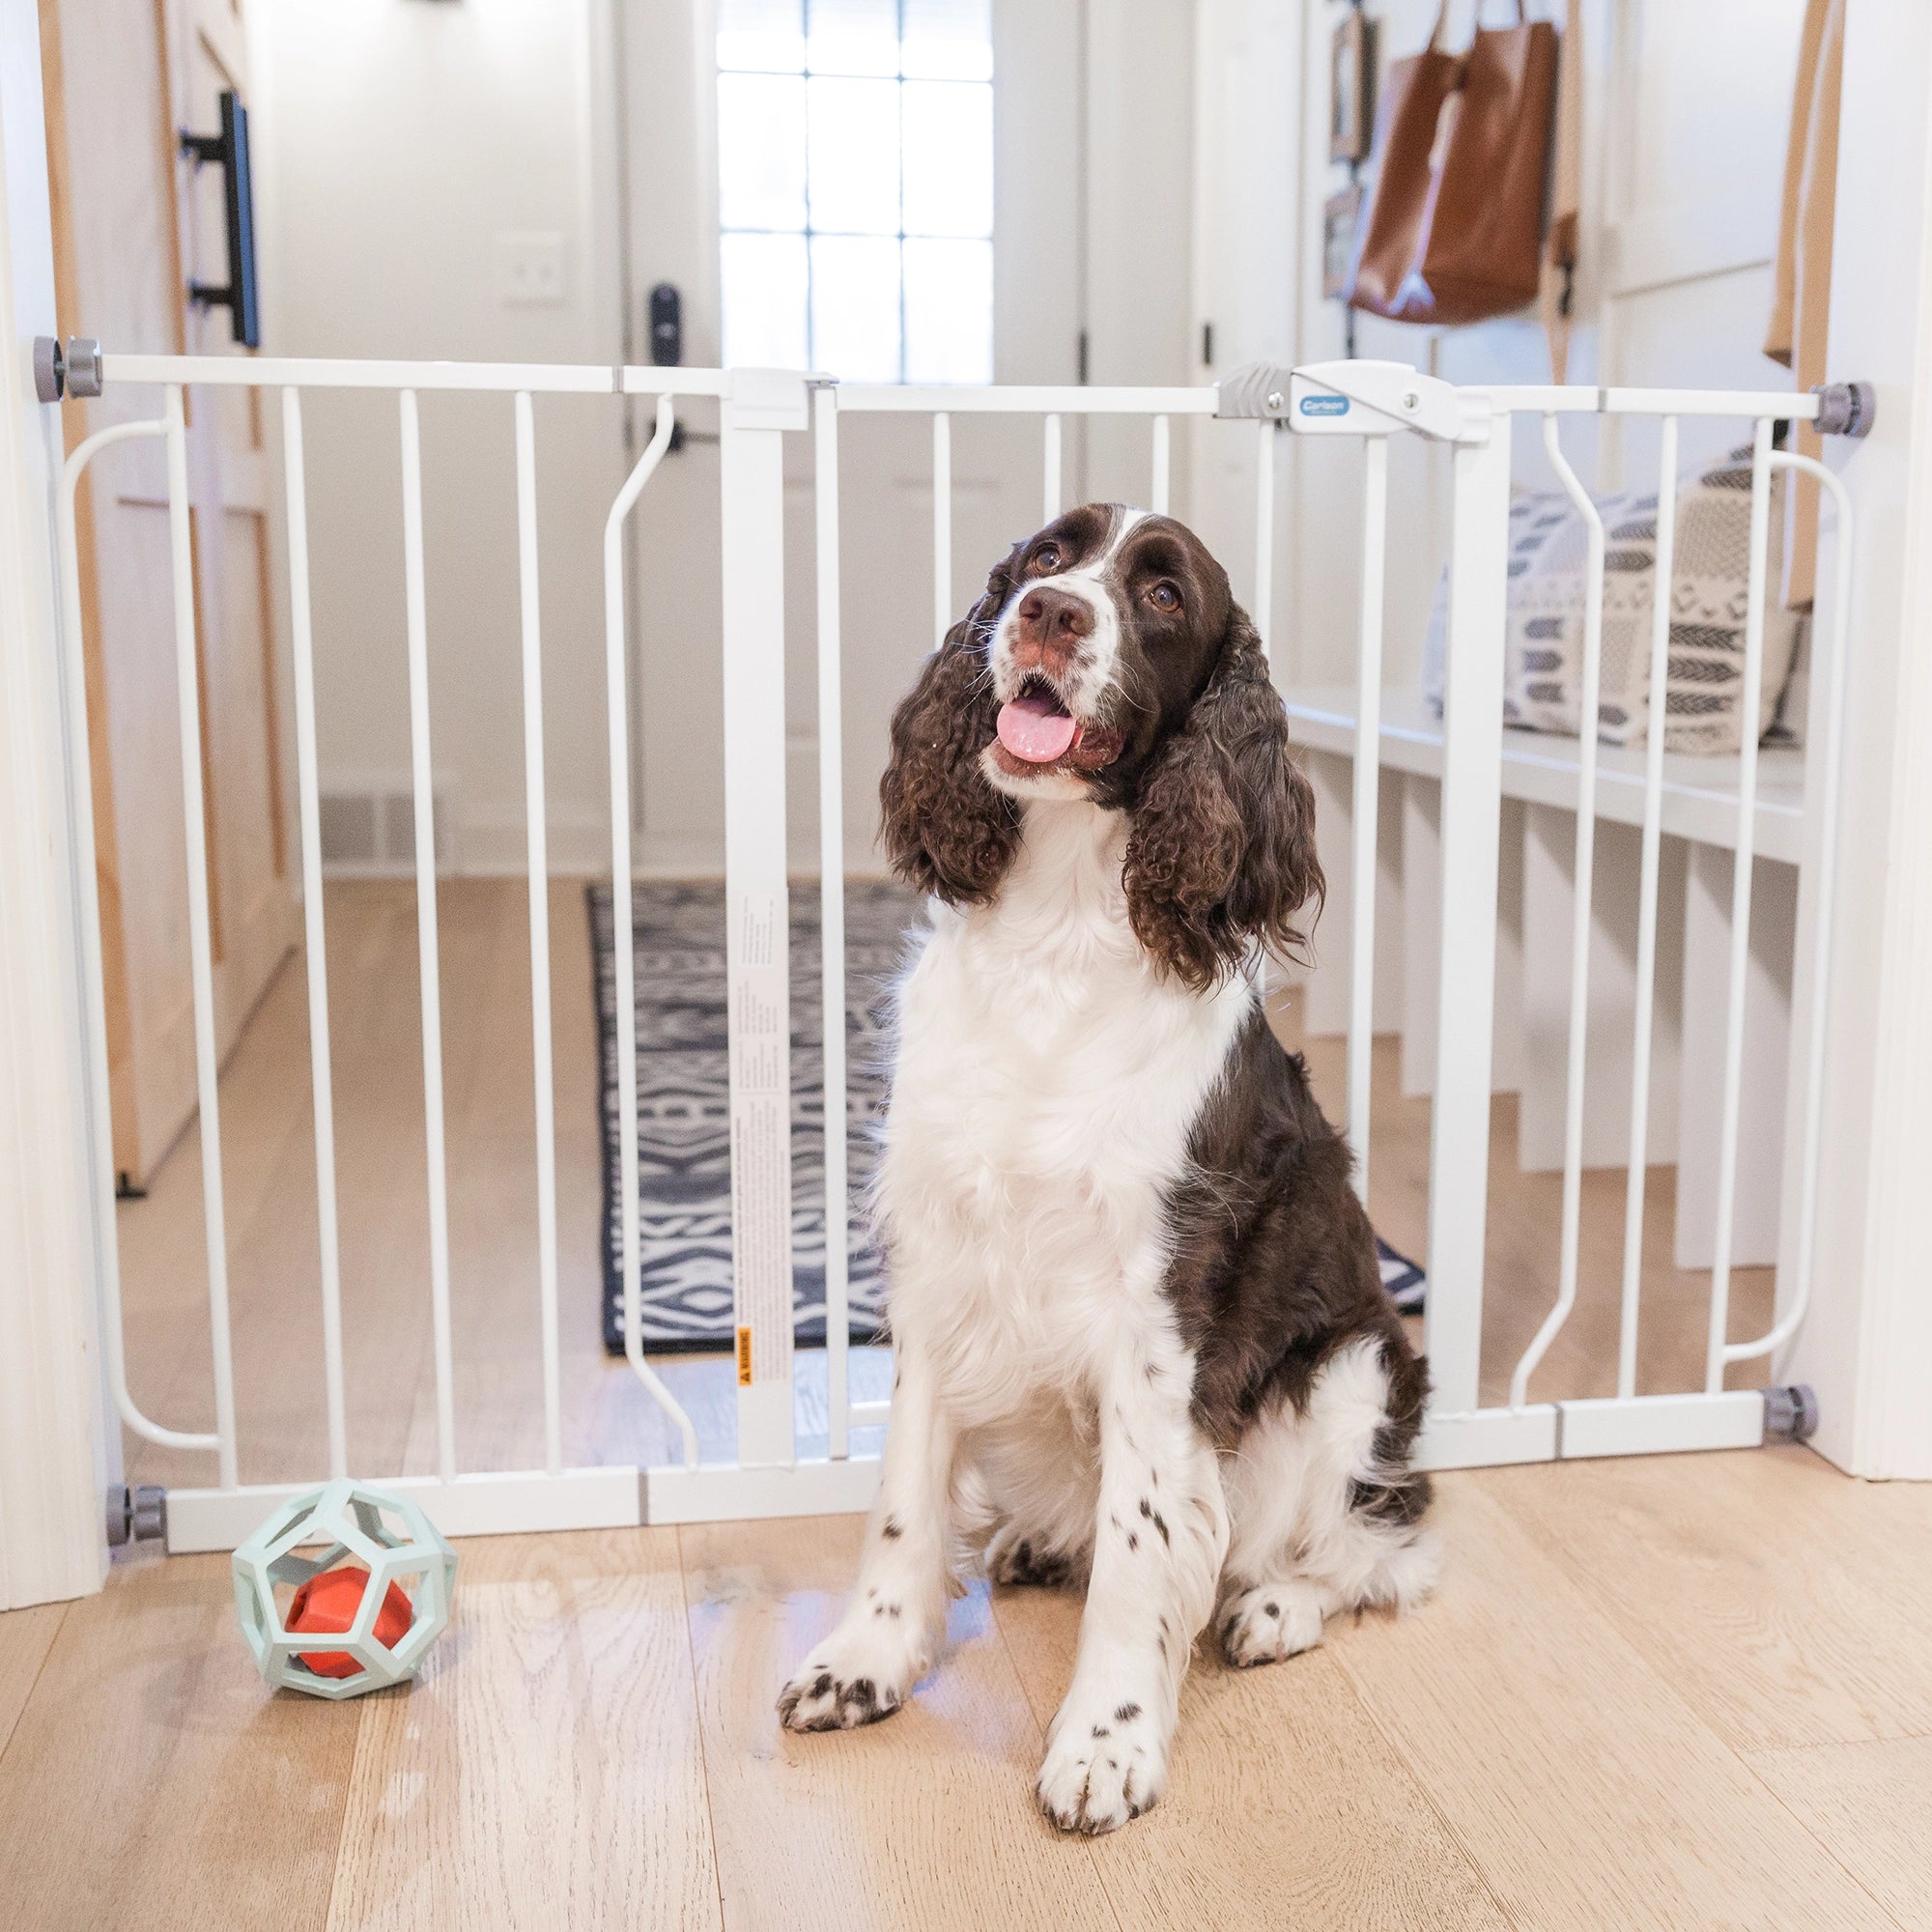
{"x": 1052, "y": 617}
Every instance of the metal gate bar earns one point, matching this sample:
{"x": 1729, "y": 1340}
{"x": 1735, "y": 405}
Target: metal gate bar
{"x": 757, "y": 409}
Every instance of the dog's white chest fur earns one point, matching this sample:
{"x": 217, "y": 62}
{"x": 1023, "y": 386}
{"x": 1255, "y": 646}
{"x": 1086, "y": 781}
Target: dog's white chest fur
{"x": 1046, "y": 1084}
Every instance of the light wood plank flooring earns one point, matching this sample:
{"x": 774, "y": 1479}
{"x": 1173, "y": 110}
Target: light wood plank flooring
{"x": 1673, "y": 1692}
{"x": 1670, "y": 1692}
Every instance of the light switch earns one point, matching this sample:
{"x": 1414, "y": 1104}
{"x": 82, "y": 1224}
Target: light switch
{"x": 530, "y": 269}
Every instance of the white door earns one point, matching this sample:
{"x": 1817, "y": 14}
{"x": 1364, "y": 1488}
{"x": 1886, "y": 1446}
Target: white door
{"x": 1702, "y": 98}
{"x": 673, "y": 236}
{"x": 1246, "y": 170}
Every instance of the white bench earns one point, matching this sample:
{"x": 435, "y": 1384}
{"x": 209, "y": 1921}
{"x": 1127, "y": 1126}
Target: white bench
{"x": 1700, "y": 820}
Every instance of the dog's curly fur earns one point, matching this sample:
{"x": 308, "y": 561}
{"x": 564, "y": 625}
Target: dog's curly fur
{"x": 946, "y": 830}
{"x": 1222, "y": 847}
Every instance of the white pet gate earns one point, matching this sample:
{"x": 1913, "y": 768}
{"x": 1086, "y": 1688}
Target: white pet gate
{"x": 1370, "y": 402}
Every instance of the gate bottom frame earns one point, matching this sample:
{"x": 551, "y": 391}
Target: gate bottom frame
{"x": 1575, "y": 1431}
{"x": 623, "y": 1497}
{"x": 528, "y": 1502}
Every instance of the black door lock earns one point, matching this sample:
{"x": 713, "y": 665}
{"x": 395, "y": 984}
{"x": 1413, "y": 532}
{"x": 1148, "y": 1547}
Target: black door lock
{"x": 667, "y": 313}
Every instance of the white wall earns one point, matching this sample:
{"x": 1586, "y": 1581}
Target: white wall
{"x": 400, "y": 139}
{"x": 1139, "y": 221}
{"x": 398, "y": 142}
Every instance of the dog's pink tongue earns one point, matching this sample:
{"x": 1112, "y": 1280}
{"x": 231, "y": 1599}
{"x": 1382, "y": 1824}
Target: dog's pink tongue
{"x": 1033, "y": 728}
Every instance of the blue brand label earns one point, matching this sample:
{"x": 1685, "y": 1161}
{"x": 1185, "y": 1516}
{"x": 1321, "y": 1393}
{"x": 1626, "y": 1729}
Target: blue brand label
{"x": 1324, "y": 406}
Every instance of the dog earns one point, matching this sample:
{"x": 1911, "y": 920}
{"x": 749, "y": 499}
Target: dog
{"x": 1140, "y": 1337}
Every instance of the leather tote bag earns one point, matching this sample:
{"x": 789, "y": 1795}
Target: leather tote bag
{"x": 1452, "y": 230}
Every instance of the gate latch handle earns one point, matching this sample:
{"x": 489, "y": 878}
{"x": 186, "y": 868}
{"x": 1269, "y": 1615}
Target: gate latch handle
{"x": 229, "y": 151}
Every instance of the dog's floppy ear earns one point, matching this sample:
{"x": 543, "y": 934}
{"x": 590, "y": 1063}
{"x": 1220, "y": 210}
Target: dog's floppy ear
{"x": 946, "y": 830}
{"x": 1222, "y": 846}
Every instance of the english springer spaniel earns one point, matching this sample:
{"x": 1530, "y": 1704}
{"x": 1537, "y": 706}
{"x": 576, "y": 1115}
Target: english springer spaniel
{"x": 1142, "y": 1337}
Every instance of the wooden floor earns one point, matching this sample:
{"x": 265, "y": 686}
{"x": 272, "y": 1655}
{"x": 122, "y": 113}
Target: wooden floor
{"x": 1665, "y": 1692}
{"x": 1660, "y": 1693}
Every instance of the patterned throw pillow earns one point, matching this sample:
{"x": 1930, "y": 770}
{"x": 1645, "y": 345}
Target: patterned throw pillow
{"x": 1544, "y": 645}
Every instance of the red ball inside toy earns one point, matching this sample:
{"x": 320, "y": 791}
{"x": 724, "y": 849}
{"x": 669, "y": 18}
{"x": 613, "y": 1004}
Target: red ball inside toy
{"x": 329, "y": 1602}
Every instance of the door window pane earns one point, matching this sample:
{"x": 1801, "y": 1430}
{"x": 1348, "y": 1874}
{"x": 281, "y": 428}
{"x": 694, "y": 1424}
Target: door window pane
{"x": 949, "y": 157}
{"x": 760, "y": 151}
{"x": 853, "y": 154}
{"x": 947, "y": 40}
{"x": 855, "y": 306}
{"x": 949, "y": 311}
{"x": 854, "y": 37}
{"x": 763, "y": 35}
{"x": 854, "y": 178}
{"x": 762, "y": 278}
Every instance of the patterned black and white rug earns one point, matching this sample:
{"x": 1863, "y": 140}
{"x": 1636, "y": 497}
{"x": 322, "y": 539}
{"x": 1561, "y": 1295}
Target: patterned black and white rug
{"x": 1406, "y": 1284}
{"x": 684, "y": 1170}
{"x": 684, "y": 1167}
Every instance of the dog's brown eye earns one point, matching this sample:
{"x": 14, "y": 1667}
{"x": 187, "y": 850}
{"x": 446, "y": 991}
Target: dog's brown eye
{"x": 1164, "y": 597}
{"x": 1046, "y": 558}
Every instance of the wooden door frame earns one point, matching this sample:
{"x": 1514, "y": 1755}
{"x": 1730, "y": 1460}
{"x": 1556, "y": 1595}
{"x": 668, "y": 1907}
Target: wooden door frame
{"x": 54, "y": 1442}
{"x": 121, "y": 1084}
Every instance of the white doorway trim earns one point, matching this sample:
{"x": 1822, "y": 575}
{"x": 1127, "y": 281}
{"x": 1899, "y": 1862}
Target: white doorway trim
{"x": 1870, "y": 1340}
{"x": 52, "y": 1445}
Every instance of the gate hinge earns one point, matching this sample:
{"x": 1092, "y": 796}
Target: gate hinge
{"x": 70, "y": 371}
{"x": 137, "y": 1515}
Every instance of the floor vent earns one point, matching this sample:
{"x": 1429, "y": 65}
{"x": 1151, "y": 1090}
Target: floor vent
{"x": 371, "y": 827}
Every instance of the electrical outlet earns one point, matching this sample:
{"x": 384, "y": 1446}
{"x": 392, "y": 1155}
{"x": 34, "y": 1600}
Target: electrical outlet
{"x": 530, "y": 269}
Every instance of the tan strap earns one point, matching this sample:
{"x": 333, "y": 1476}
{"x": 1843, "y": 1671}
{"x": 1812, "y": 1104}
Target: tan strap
{"x": 1781, "y": 329}
{"x": 1811, "y": 295}
{"x": 1476, "y": 26}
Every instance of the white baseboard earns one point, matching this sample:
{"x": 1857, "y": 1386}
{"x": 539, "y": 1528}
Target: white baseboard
{"x": 494, "y": 844}
{"x": 489, "y": 845}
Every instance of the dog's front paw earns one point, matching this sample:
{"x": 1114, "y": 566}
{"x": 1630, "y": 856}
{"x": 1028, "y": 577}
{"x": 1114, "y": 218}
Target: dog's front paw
{"x": 1106, "y": 1762}
{"x": 862, "y": 1672}
{"x": 1269, "y": 1622}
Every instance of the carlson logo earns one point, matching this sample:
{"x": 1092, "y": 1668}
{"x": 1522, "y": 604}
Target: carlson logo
{"x": 1324, "y": 406}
